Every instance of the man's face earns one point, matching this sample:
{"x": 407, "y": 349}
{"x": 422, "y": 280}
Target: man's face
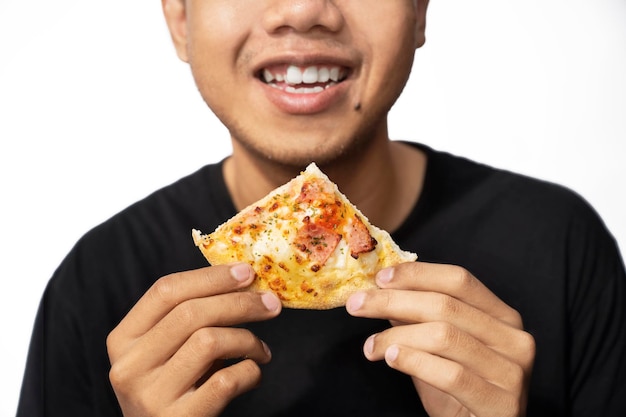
{"x": 299, "y": 80}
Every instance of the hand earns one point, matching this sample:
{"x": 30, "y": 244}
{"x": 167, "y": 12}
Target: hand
{"x": 464, "y": 348}
{"x": 166, "y": 353}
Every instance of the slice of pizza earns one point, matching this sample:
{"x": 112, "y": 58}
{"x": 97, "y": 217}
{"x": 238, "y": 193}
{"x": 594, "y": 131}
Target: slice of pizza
{"x": 306, "y": 242}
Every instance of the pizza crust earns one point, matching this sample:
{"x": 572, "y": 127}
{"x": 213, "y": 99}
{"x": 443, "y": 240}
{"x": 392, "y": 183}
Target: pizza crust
{"x": 306, "y": 242}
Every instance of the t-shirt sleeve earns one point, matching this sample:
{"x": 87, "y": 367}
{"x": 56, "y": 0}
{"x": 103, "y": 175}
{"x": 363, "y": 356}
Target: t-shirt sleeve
{"x": 31, "y": 396}
{"x": 597, "y": 325}
{"x": 59, "y": 379}
{"x": 66, "y": 370}
{"x": 107, "y": 271}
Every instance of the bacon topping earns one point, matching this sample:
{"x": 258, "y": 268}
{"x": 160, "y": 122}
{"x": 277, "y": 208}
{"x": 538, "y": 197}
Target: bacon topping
{"x": 359, "y": 238}
{"x": 317, "y": 242}
{"x": 315, "y": 191}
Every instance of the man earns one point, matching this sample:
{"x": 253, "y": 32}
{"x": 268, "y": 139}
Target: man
{"x": 297, "y": 81}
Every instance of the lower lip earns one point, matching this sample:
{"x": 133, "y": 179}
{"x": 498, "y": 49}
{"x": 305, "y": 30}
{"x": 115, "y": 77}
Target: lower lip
{"x": 302, "y": 104}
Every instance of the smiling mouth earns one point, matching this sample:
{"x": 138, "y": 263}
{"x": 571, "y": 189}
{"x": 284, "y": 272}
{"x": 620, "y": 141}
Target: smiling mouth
{"x": 303, "y": 80}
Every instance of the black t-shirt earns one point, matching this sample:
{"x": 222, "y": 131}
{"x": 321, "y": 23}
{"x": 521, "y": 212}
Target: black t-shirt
{"x": 537, "y": 246}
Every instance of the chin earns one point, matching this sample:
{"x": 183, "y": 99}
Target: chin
{"x": 295, "y": 147}
{"x": 301, "y": 153}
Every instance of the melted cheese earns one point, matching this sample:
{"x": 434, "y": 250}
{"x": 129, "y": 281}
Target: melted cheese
{"x": 297, "y": 239}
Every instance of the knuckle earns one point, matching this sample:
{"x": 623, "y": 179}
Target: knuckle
{"x": 164, "y": 289}
{"x": 528, "y": 347}
{"x": 204, "y": 340}
{"x": 120, "y": 377}
{"x": 185, "y": 314}
{"x": 516, "y": 376}
{"x": 462, "y": 279}
{"x": 224, "y": 384}
{"x": 446, "y": 305}
{"x": 456, "y": 378}
{"x": 444, "y": 336}
{"x": 131, "y": 389}
{"x": 112, "y": 344}
{"x": 514, "y": 318}
{"x": 528, "y": 342}
{"x": 251, "y": 369}
{"x": 231, "y": 381}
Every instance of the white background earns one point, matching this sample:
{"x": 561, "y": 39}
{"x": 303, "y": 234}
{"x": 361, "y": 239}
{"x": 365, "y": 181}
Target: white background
{"x": 96, "y": 112}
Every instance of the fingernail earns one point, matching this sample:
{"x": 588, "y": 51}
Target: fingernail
{"x": 266, "y": 348}
{"x": 368, "y": 347}
{"x": 240, "y": 272}
{"x": 385, "y": 276}
{"x": 391, "y": 354}
{"x": 355, "y": 302}
{"x": 271, "y": 302}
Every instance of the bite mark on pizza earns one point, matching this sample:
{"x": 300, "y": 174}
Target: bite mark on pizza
{"x": 306, "y": 242}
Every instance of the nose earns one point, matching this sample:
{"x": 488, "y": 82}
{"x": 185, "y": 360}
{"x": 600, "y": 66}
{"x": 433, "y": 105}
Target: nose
{"x": 302, "y": 16}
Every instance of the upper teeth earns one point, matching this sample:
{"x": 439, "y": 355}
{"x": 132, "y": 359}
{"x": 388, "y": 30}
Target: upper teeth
{"x": 309, "y": 75}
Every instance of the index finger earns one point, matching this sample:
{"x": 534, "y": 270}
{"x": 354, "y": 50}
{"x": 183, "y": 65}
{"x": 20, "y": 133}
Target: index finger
{"x": 173, "y": 289}
{"x": 452, "y": 280}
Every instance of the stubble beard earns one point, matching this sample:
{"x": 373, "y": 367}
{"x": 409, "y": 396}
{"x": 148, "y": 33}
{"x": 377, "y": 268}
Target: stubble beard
{"x": 294, "y": 155}
{"x": 299, "y": 153}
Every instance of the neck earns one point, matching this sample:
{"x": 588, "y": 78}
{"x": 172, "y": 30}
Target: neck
{"x": 384, "y": 181}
